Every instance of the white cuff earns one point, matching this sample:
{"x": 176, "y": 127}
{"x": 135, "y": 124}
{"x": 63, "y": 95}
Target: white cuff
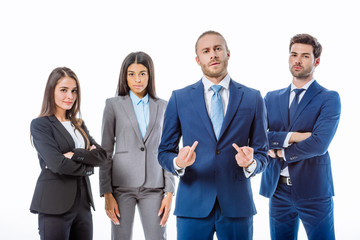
{"x": 180, "y": 171}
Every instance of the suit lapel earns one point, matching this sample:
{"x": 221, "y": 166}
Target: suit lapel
{"x": 153, "y": 111}
{"x": 284, "y": 96}
{"x": 198, "y": 101}
{"x": 58, "y": 125}
{"x": 313, "y": 90}
{"x": 130, "y": 113}
{"x": 235, "y": 96}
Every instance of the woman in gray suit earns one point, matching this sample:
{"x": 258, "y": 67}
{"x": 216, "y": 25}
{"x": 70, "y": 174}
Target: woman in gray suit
{"x": 131, "y": 131}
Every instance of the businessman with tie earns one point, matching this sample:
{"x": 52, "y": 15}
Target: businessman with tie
{"x": 223, "y": 127}
{"x": 302, "y": 121}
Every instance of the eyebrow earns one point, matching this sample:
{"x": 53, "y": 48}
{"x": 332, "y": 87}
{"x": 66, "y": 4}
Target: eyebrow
{"x": 301, "y": 53}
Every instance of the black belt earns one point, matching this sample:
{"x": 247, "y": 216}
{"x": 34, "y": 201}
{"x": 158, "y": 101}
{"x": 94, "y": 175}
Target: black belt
{"x": 285, "y": 180}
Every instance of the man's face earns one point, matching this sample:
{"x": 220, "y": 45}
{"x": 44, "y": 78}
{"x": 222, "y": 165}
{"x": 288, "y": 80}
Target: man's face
{"x": 301, "y": 61}
{"x": 212, "y": 56}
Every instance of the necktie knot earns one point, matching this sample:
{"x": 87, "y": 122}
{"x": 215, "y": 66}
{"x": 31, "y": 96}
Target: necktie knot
{"x": 298, "y": 91}
{"x": 216, "y": 88}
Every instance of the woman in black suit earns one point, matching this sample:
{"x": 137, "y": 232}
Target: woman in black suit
{"x": 67, "y": 156}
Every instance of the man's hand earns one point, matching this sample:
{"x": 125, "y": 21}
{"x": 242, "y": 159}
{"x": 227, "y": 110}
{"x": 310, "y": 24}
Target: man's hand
{"x": 244, "y": 156}
{"x": 111, "y": 208}
{"x": 186, "y": 156}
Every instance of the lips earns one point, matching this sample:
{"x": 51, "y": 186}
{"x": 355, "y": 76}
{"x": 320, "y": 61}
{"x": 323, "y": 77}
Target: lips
{"x": 214, "y": 63}
{"x": 297, "y": 67}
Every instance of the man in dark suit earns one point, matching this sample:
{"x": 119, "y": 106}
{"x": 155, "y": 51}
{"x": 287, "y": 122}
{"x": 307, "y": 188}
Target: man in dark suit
{"x": 215, "y": 116}
{"x": 302, "y": 120}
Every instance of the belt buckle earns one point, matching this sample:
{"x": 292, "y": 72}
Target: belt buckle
{"x": 288, "y": 181}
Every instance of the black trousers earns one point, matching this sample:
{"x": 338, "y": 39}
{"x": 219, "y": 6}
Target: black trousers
{"x": 76, "y": 224}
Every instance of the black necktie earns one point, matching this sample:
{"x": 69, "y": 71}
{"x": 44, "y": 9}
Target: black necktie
{"x": 295, "y": 103}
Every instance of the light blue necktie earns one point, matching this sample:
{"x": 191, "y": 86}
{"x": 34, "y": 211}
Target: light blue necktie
{"x": 216, "y": 111}
{"x": 295, "y": 103}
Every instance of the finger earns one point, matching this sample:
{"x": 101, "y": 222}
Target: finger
{"x": 246, "y": 151}
{"x": 191, "y": 151}
{"x": 161, "y": 210}
{"x": 194, "y": 145}
{"x": 237, "y": 148}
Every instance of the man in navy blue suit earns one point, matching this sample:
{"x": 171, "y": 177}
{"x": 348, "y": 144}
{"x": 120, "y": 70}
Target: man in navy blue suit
{"x": 302, "y": 120}
{"x": 226, "y": 123}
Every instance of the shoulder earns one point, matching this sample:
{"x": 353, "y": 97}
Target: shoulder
{"x": 116, "y": 99}
{"x": 160, "y": 102}
{"x": 41, "y": 124}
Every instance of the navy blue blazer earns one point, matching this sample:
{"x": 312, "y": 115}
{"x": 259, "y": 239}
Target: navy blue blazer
{"x": 215, "y": 173}
{"x": 57, "y": 184}
{"x": 309, "y": 160}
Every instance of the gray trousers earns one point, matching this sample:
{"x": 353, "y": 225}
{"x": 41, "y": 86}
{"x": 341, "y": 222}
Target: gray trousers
{"x": 148, "y": 201}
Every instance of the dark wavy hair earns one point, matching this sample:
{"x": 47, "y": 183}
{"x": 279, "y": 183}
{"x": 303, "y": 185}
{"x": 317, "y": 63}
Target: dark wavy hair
{"x": 305, "y": 38}
{"x": 137, "y": 58}
{"x": 48, "y": 107}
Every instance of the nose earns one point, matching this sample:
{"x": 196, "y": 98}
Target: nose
{"x": 137, "y": 79}
{"x": 213, "y": 55}
{"x": 298, "y": 60}
{"x": 70, "y": 95}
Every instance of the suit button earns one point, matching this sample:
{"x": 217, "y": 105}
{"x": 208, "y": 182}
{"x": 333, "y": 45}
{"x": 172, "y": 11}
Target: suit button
{"x": 217, "y": 152}
{"x": 142, "y": 149}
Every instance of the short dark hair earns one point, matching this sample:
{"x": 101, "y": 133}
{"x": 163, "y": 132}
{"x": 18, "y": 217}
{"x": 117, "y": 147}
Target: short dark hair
{"x": 210, "y": 32}
{"x": 307, "y": 39}
{"x": 138, "y": 58}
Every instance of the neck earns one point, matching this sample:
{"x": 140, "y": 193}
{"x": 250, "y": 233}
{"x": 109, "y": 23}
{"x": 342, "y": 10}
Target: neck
{"x": 60, "y": 115}
{"x": 300, "y": 82}
{"x": 216, "y": 80}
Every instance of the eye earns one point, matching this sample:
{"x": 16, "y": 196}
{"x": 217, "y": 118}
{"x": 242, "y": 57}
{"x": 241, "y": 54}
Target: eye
{"x": 143, "y": 74}
{"x": 306, "y": 56}
{"x": 218, "y": 49}
{"x": 63, "y": 90}
{"x": 130, "y": 74}
{"x": 205, "y": 51}
{"x": 74, "y": 91}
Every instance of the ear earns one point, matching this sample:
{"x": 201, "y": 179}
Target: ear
{"x": 228, "y": 54}
{"x": 317, "y": 62}
{"x": 197, "y": 60}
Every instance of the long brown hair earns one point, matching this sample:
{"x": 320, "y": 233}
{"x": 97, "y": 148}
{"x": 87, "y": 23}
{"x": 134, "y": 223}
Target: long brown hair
{"x": 138, "y": 58}
{"x": 48, "y": 107}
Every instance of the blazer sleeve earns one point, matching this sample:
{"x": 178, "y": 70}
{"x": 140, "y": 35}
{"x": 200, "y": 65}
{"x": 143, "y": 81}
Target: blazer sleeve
{"x": 323, "y": 131}
{"x": 258, "y": 135}
{"x": 169, "y": 182}
{"x": 95, "y": 157}
{"x": 169, "y": 145}
{"x": 49, "y": 151}
{"x": 107, "y": 142}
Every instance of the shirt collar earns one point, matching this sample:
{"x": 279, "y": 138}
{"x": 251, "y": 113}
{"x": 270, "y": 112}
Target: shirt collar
{"x": 136, "y": 100}
{"x": 224, "y": 83}
{"x": 306, "y": 86}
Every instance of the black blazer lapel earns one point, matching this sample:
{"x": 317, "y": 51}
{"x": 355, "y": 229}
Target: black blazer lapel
{"x": 58, "y": 125}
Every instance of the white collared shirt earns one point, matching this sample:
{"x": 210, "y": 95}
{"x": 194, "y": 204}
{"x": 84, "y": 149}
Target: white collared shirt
{"x": 224, "y": 92}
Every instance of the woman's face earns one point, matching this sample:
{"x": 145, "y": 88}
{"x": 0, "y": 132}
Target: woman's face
{"x": 65, "y": 94}
{"x": 137, "y": 79}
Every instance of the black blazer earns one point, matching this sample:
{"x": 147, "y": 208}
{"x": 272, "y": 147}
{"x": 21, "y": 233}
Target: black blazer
{"x": 57, "y": 184}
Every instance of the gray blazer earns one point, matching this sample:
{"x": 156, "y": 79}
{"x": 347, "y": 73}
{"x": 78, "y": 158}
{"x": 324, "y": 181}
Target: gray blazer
{"x": 132, "y": 161}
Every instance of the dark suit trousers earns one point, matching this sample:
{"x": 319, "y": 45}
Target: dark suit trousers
{"x": 76, "y": 224}
{"x": 204, "y": 228}
{"x": 286, "y": 211}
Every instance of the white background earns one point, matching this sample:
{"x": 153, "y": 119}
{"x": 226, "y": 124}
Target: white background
{"x": 93, "y": 38}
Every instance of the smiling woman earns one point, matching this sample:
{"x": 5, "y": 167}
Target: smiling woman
{"x": 67, "y": 156}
